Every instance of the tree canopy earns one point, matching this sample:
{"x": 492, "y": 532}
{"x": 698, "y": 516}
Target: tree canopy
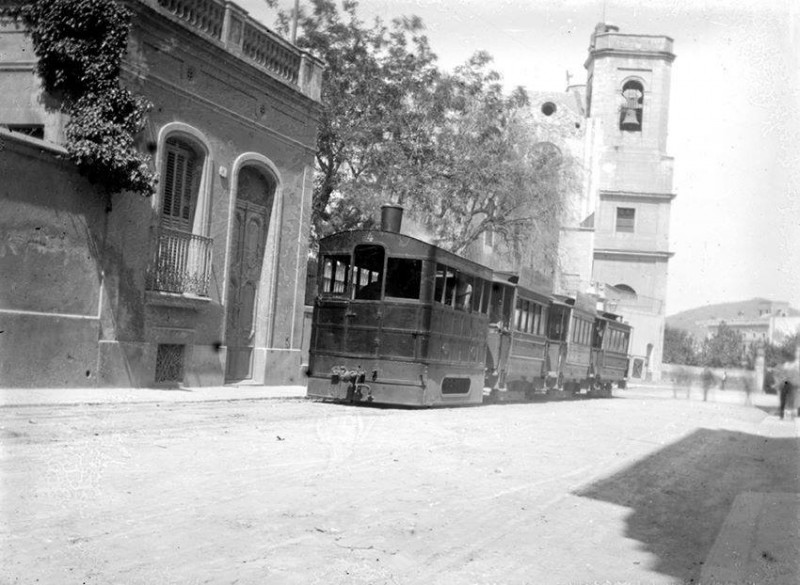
{"x": 449, "y": 146}
{"x": 680, "y": 347}
{"x": 723, "y": 349}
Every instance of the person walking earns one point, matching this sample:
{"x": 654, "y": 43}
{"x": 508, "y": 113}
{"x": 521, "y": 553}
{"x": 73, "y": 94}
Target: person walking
{"x": 747, "y": 384}
{"x": 786, "y": 398}
{"x": 707, "y": 378}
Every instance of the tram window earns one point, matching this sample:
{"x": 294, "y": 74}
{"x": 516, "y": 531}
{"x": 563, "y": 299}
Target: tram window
{"x": 441, "y": 276}
{"x": 537, "y": 318}
{"x": 368, "y": 272}
{"x": 464, "y": 292}
{"x": 477, "y": 291}
{"x": 450, "y": 286}
{"x": 486, "y": 298}
{"x": 518, "y": 315}
{"x": 527, "y": 315}
{"x": 555, "y": 324}
{"x": 403, "y": 278}
{"x": 597, "y": 337}
{"x": 335, "y": 270}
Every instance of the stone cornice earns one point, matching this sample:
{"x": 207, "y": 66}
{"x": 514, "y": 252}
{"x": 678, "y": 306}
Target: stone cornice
{"x": 608, "y": 194}
{"x": 310, "y": 148}
{"x": 656, "y": 254}
{"x": 9, "y": 139}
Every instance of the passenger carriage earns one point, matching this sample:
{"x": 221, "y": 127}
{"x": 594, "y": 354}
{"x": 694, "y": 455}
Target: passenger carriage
{"x": 517, "y": 363}
{"x": 610, "y": 352}
{"x": 575, "y": 352}
{"x": 397, "y": 321}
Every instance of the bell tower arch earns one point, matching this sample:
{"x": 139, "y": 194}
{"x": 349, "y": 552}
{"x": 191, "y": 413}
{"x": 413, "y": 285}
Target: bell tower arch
{"x": 628, "y": 97}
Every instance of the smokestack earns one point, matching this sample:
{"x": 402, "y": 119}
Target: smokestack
{"x": 391, "y": 218}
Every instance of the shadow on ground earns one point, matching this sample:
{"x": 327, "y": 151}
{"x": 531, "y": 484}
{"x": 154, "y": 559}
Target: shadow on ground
{"x": 680, "y": 496}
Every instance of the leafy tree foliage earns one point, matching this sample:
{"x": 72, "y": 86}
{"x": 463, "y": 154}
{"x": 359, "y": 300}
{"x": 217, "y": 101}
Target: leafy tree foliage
{"x": 80, "y": 45}
{"x": 680, "y": 347}
{"x": 724, "y": 349}
{"x": 776, "y": 354}
{"x": 449, "y": 146}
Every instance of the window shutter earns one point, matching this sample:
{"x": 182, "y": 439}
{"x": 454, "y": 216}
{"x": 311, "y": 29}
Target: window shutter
{"x": 179, "y": 185}
{"x": 169, "y": 183}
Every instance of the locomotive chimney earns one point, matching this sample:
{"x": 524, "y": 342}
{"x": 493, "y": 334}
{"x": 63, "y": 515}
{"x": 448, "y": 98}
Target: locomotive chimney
{"x": 391, "y": 218}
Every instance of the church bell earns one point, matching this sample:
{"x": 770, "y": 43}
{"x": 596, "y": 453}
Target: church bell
{"x": 630, "y": 121}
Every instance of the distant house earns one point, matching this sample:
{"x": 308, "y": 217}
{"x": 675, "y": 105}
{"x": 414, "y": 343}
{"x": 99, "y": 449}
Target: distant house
{"x": 203, "y": 283}
{"x": 774, "y": 322}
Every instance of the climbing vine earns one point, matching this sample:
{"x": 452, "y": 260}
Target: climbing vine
{"x": 80, "y": 45}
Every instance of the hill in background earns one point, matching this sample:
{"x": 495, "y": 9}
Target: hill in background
{"x": 688, "y": 320}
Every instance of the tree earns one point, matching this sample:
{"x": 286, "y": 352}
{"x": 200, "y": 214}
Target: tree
{"x": 491, "y": 171}
{"x": 369, "y": 116}
{"x": 779, "y": 353}
{"x": 451, "y": 147}
{"x": 679, "y": 347}
{"x": 724, "y": 349}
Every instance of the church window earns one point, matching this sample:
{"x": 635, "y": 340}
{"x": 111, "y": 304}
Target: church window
{"x": 626, "y": 217}
{"x": 630, "y": 115}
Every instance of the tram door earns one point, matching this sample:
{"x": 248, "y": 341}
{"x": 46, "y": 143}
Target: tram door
{"x": 557, "y": 331}
{"x": 499, "y": 336}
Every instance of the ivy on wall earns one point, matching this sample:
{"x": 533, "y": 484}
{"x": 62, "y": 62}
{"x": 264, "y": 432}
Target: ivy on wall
{"x": 80, "y": 45}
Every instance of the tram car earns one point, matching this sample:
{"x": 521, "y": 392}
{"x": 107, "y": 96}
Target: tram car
{"x": 541, "y": 344}
{"x": 517, "y": 352}
{"x": 610, "y": 360}
{"x": 397, "y": 321}
{"x": 400, "y": 321}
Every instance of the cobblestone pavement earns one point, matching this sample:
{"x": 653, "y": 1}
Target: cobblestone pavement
{"x": 643, "y": 488}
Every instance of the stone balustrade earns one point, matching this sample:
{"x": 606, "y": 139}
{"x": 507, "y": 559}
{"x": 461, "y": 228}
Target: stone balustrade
{"x": 230, "y": 25}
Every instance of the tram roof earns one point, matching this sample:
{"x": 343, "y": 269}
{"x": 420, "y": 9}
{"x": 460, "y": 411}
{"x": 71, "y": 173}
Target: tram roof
{"x": 400, "y": 246}
{"x": 512, "y": 278}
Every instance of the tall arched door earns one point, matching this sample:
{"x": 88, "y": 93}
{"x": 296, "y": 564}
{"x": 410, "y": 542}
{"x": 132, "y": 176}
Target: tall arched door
{"x": 255, "y": 194}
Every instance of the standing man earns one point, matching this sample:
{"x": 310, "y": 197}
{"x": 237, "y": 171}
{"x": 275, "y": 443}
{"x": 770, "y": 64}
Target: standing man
{"x": 786, "y": 396}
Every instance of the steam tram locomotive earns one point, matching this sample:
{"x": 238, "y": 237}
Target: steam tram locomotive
{"x": 399, "y": 321}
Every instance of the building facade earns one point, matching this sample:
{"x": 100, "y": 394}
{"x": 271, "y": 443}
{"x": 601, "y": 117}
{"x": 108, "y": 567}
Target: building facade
{"x": 201, "y": 284}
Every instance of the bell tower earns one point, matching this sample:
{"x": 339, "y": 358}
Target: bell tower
{"x": 627, "y": 96}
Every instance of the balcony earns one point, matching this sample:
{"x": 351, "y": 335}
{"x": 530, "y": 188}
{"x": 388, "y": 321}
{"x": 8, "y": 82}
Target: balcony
{"x": 182, "y": 264}
{"x": 229, "y": 25}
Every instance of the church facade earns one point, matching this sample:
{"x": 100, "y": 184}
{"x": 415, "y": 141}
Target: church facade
{"x": 614, "y": 240}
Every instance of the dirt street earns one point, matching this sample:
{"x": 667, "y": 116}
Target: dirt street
{"x": 625, "y": 490}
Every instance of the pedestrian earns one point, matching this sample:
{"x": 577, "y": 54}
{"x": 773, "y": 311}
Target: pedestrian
{"x": 786, "y": 397}
{"x": 707, "y": 378}
{"x": 724, "y": 379}
{"x": 748, "y": 389}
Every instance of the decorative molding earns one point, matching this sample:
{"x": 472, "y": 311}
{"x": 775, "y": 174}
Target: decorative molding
{"x": 660, "y": 255}
{"x": 608, "y": 194}
{"x": 182, "y": 301}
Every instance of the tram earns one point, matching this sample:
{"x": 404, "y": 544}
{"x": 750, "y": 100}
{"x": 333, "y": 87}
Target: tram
{"x": 400, "y": 321}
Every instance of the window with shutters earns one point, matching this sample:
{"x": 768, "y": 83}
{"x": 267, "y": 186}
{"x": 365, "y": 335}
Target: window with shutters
{"x": 181, "y": 181}
{"x": 182, "y": 251}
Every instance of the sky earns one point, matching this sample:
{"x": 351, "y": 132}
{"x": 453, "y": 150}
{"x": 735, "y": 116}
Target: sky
{"x": 734, "y": 117}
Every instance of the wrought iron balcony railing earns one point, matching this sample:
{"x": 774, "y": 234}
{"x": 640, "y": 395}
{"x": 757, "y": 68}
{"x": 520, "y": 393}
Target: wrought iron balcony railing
{"x": 182, "y": 263}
